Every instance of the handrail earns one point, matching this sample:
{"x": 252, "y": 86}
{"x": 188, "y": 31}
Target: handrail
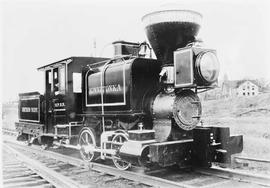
{"x": 102, "y": 93}
{"x": 102, "y": 86}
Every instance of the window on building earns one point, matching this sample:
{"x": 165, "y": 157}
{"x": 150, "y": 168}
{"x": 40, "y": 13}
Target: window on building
{"x": 253, "y": 93}
{"x": 252, "y": 88}
{"x": 244, "y": 94}
{"x": 248, "y": 93}
{"x": 247, "y": 87}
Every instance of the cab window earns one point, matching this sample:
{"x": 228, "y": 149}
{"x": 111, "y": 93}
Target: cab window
{"x": 62, "y": 80}
{"x": 59, "y": 80}
{"x": 48, "y": 82}
{"x": 55, "y": 81}
{"x": 77, "y": 82}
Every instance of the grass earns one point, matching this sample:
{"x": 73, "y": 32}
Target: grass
{"x": 232, "y": 107}
{"x": 249, "y": 116}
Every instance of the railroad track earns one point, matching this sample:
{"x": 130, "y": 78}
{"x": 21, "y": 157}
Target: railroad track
{"x": 8, "y": 131}
{"x": 251, "y": 159}
{"x": 252, "y": 164}
{"x": 213, "y": 177}
{"x": 22, "y": 171}
{"x": 73, "y": 169}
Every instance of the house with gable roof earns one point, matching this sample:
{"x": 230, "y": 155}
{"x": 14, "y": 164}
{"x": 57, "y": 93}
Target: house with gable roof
{"x": 247, "y": 88}
{"x": 233, "y": 88}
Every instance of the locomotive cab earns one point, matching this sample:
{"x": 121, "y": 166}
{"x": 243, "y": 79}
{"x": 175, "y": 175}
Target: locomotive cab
{"x": 56, "y": 112}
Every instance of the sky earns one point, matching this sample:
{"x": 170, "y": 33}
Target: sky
{"x": 39, "y": 32}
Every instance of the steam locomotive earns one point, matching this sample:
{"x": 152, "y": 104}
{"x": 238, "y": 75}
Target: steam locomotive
{"x": 131, "y": 108}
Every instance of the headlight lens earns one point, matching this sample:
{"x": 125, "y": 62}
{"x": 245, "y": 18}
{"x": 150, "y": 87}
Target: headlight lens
{"x": 208, "y": 66}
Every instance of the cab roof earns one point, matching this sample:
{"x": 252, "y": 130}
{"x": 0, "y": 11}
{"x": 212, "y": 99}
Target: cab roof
{"x": 68, "y": 61}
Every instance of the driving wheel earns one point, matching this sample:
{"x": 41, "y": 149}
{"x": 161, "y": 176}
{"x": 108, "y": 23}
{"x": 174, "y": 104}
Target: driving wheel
{"x": 87, "y": 143}
{"x": 119, "y": 138}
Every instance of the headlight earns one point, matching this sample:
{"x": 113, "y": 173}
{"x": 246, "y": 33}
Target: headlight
{"x": 208, "y": 67}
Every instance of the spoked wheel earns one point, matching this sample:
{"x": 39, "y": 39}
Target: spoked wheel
{"x": 31, "y": 139}
{"x": 22, "y": 137}
{"x": 87, "y": 142}
{"x": 120, "y": 164}
{"x": 45, "y": 142}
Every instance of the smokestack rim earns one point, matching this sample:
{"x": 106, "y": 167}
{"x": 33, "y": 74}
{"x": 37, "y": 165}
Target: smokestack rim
{"x": 180, "y": 15}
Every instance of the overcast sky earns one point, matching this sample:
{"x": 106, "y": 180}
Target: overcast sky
{"x": 35, "y": 33}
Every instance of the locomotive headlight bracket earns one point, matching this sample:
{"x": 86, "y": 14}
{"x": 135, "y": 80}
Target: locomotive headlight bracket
{"x": 207, "y": 67}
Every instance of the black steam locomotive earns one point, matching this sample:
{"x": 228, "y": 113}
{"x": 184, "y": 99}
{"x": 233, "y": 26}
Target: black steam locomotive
{"x": 132, "y": 109}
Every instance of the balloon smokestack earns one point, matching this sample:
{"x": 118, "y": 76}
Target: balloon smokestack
{"x": 169, "y": 30}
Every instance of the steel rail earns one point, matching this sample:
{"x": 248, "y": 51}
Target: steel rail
{"x": 229, "y": 174}
{"x": 236, "y": 175}
{"x": 17, "y": 174}
{"x": 251, "y": 159}
{"x": 133, "y": 176}
{"x": 9, "y": 131}
{"x": 56, "y": 179}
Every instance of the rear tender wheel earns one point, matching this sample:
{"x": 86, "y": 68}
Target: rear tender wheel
{"x": 120, "y": 164}
{"x": 87, "y": 141}
{"x": 22, "y": 137}
{"x": 45, "y": 141}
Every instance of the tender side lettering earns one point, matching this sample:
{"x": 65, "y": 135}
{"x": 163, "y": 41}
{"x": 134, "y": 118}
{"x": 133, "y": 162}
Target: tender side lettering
{"x": 29, "y": 109}
{"x": 108, "y": 88}
{"x": 34, "y": 110}
{"x": 26, "y": 109}
{"x": 59, "y": 104}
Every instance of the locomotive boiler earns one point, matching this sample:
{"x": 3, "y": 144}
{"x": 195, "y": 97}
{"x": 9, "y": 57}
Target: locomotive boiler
{"x": 132, "y": 109}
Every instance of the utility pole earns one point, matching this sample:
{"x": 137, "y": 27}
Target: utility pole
{"x": 95, "y": 46}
